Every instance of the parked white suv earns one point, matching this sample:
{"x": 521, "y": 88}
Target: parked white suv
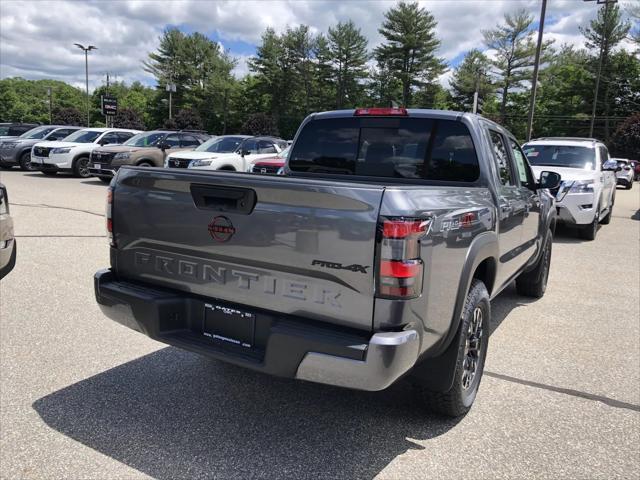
{"x": 242, "y": 159}
{"x": 71, "y": 154}
{"x": 587, "y": 192}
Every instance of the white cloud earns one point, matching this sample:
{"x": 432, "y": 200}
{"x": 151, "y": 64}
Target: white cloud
{"x": 37, "y": 37}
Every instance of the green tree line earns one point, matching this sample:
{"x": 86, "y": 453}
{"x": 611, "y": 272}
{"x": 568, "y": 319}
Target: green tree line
{"x": 297, "y": 72}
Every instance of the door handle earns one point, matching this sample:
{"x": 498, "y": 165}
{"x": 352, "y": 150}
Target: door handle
{"x": 224, "y": 199}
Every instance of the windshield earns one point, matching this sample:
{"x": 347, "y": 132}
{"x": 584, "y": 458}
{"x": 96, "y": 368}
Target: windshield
{"x": 82, "y": 136}
{"x": 144, "y": 139}
{"x": 418, "y": 148}
{"x": 220, "y": 145}
{"x": 39, "y": 132}
{"x": 561, "y": 156}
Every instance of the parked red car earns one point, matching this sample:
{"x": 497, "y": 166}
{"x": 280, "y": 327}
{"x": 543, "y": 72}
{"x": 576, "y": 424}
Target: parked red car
{"x": 271, "y": 165}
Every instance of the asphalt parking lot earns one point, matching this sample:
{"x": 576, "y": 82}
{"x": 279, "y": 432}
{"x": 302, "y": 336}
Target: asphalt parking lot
{"x": 82, "y": 397}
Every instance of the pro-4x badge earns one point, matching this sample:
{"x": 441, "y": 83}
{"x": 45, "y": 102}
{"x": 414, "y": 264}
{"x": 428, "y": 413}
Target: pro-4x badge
{"x": 338, "y": 266}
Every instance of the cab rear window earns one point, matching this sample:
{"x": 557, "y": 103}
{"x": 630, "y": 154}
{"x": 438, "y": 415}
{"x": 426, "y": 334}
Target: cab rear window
{"x": 416, "y": 148}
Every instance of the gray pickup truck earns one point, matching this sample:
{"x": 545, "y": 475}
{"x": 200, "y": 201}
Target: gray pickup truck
{"x": 375, "y": 257}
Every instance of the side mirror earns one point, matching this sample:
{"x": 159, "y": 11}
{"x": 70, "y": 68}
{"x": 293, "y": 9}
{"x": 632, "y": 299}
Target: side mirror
{"x": 245, "y": 152}
{"x": 550, "y": 180}
{"x": 163, "y": 145}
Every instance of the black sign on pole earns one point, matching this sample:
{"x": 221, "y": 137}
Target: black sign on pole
{"x": 109, "y": 105}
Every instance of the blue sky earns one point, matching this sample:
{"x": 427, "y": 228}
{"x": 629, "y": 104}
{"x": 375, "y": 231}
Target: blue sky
{"x": 37, "y": 37}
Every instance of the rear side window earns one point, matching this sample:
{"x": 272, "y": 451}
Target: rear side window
{"x": 416, "y": 148}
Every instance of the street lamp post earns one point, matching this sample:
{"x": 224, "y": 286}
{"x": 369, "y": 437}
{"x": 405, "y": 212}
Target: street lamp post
{"x": 86, "y": 71}
{"x": 534, "y": 81}
{"x": 171, "y": 88}
{"x": 49, "y": 93}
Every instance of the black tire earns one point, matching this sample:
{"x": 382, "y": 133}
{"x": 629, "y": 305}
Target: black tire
{"x": 533, "y": 283}
{"x": 629, "y": 185}
{"x": 25, "y": 162}
{"x": 81, "y": 167}
{"x": 145, "y": 163}
{"x": 49, "y": 173}
{"x": 105, "y": 180}
{"x": 4, "y": 166}
{"x": 459, "y": 398}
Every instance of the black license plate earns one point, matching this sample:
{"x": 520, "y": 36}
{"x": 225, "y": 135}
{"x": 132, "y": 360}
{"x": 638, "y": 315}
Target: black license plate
{"x": 229, "y": 325}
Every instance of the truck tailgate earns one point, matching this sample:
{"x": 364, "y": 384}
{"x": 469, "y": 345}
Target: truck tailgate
{"x": 291, "y": 245}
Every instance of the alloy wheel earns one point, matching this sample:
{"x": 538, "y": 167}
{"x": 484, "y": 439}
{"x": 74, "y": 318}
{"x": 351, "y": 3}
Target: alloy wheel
{"x": 472, "y": 348}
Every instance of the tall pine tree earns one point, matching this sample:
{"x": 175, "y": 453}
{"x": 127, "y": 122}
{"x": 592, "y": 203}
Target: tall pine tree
{"x": 410, "y": 47}
{"x": 514, "y": 54}
{"x": 471, "y": 75}
{"x": 347, "y": 49}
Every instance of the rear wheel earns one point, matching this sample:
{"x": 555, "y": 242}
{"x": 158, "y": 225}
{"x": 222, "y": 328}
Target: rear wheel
{"x": 81, "y": 167}
{"x": 25, "y": 162}
{"x": 629, "y": 185}
{"x": 534, "y": 282}
{"x": 473, "y": 339}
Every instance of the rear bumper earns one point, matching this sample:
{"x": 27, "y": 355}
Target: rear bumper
{"x": 285, "y": 346}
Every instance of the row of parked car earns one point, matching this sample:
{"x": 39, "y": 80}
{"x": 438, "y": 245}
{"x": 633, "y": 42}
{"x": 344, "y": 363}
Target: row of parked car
{"x": 584, "y": 199}
{"x": 101, "y": 152}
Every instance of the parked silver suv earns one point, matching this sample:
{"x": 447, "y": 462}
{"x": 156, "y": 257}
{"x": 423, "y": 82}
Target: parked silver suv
{"x": 17, "y": 151}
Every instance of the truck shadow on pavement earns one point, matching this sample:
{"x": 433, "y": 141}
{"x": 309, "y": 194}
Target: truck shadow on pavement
{"x": 172, "y": 414}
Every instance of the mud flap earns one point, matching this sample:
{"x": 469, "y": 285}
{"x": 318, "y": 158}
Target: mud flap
{"x": 437, "y": 373}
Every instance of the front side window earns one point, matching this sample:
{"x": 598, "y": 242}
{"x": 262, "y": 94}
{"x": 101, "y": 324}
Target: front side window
{"x": 144, "y": 139}
{"x": 124, "y": 136}
{"x": 83, "y": 136}
{"x": 501, "y": 157}
{"x": 59, "y": 134}
{"x": 414, "y": 148}
{"x": 111, "y": 138}
{"x": 220, "y": 145}
{"x": 250, "y": 145}
{"x": 173, "y": 141}
{"x": 521, "y": 162}
{"x": 568, "y": 156}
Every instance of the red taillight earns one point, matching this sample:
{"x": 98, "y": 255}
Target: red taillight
{"x": 403, "y": 228}
{"x": 467, "y": 220}
{"x": 109, "y": 216}
{"x": 381, "y": 112}
{"x": 400, "y": 267}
